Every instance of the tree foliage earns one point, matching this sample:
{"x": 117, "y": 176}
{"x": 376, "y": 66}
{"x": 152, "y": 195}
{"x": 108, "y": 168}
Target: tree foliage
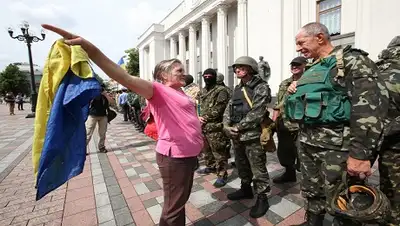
{"x": 132, "y": 65}
{"x": 14, "y": 80}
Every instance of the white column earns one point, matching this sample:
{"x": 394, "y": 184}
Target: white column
{"x": 145, "y": 63}
{"x": 172, "y": 47}
{"x": 241, "y": 29}
{"x": 182, "y": 48}
{"x": 152, "y": 59}
{"x": 221, "y": 41}
{"x": 193, "y": 51}
{"x": 205, "y": 43}
{"x": 141, "y": 63}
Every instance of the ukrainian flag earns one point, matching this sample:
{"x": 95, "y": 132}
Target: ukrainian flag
{"x": 59, "y": 146}
{"x": 121, "y": 63}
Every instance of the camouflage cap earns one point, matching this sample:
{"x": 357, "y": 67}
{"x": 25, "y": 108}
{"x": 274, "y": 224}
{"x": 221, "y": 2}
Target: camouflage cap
{"x": 395, "y": 42}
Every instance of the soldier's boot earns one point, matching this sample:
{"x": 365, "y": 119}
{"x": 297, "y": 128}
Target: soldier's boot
{"x": 245, "y": 192}
{"x": 287, "y": 177}
{"x": 221, "y": 180}
{"x": 261, "y": 207}
{"x": 312, "y": 219}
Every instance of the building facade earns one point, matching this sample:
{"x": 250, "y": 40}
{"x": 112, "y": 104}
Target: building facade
{"x": 213, "y": 33}
{"x": 37, "y": 71}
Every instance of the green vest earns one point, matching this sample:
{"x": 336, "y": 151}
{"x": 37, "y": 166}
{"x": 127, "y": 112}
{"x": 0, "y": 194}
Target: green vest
{"x": 317, "y": 100}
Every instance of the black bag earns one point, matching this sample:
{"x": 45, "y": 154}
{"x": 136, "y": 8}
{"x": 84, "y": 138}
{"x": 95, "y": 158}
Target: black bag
{"x": 111, "y": 115}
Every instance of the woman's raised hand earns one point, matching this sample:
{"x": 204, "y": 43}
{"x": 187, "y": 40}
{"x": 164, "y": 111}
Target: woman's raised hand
{"x": 72, "y": 39}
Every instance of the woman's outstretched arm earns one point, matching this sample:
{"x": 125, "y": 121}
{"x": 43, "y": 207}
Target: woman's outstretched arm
{"x": 138, "y": 85}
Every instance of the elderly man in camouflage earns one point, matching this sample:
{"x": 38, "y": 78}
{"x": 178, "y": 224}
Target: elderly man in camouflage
{"x": 389, "y": 155}
{"x": 286, "y": 130}
{"x": 242, "y": 119}
{"x": 340, "y": 103}
{"x": 213, "y": 99}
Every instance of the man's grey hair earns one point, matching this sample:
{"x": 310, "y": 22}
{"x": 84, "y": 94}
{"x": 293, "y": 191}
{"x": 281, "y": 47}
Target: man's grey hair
{"x": 316, "y": 28}
{"x": 164, "y": 66}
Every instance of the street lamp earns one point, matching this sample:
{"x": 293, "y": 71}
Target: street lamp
{"x": 28, "y": 39}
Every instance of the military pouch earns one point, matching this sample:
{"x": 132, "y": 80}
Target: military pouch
{"x": 338, "y": 109}
{"x": 237, "y": 107}
{"x": 294, "y": 108}
{"x": 314, "y": 103}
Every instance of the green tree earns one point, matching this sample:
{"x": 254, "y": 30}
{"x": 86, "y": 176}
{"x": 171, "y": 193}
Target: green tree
{"x": 14, "y": 80}
{"x": 132, "y": 66}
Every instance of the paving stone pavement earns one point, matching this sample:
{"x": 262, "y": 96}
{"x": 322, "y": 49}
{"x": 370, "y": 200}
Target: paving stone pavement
{"x": 123, "y": 187}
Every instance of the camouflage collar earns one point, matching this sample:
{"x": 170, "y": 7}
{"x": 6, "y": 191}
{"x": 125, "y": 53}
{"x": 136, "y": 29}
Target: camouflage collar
{"x": 253, "y": 81}
{"x": 332, "y": 53}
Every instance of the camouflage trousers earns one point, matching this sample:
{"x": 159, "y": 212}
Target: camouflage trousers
{"x": 251, "y": 160}
{"x": 389, "y": 180}
{"x": 321, "y": 171}
{"x": 214, "y": 151}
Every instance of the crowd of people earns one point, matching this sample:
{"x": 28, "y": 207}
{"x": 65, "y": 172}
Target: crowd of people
{"x": 335, "y": 116}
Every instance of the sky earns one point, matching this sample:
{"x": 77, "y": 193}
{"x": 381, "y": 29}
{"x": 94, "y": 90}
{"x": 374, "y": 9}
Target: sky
{"x": 112, "y": 25}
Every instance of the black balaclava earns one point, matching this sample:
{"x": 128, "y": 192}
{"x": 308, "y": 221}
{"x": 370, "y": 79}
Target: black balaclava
{"x": 212, "y": 80}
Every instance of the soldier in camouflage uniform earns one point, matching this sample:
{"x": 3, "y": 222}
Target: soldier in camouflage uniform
{"x": 389, "y": 155}
{"x": 134, "y": 103}
{"x": 287, "y": 131}
{"x": 246, "y": 110}
{"x": 220, "y": 81}
{"x": 213, "y": 99}
{"x": 191, "y": 89}
{"x": 340, "y": 103}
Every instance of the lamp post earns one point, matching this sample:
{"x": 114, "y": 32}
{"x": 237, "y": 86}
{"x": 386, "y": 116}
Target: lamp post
{"x": 28, "y": 39}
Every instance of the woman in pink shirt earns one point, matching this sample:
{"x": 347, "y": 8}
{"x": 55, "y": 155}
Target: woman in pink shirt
{"x": 179, "y": 132}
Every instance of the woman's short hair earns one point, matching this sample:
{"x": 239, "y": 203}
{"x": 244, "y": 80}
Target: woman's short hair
{"x": 164, "y": 66}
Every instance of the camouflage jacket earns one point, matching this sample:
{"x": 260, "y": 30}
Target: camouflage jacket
{"x": 363, "y": 134}
{"x": 249, "y": 127}
{"x": 282, "y": 93}
{"x": 192, "y": 91}
{"x": 389, "y": 66}
{"x": 227, "y": 88}
{"x": 212, "y": 106}
{"x": 142, "y": 102}
{"x": 133, "y": 99}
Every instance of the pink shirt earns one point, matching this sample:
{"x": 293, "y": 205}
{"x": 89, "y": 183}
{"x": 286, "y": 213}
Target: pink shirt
{"x": 179, "y": 129}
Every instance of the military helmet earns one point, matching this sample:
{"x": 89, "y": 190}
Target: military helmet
{"x": 220, "y": 78}
{"x": 360, "y": 202}
{"x": 246, "y": 60}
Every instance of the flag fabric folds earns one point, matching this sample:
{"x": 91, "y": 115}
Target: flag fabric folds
{"x": 67, "y": 86}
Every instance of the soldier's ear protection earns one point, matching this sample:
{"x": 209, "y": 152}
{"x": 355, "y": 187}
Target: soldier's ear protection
{"x": 359, "y": 202}
{"x": 355, "y": 195}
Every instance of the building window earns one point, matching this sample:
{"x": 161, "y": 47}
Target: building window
{"x": 187, "y": 43}
{"x": 329, "y": 14}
